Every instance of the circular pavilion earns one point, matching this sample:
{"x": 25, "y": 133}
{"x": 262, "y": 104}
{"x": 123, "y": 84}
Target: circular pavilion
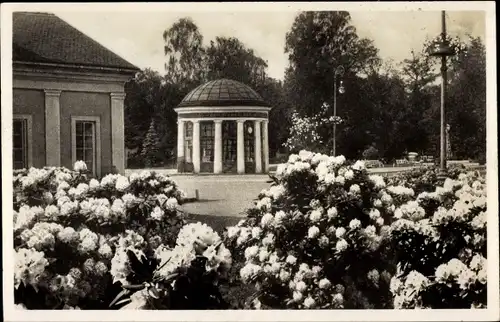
{"x": 222, "y": 127}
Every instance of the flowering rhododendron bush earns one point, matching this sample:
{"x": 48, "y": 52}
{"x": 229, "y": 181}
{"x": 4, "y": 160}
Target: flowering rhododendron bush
{"x": 425, "y": 179}
{"x": 329, "y": 235}
{"x": 316, "y": 238}
{"x": 70, "y": 232}
{"x": 183, "y": 277}
{"x": 308, "y": 131}
{"x": 439, "y": 242}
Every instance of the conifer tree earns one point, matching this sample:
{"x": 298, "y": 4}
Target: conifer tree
{"x": 150, "y": 145}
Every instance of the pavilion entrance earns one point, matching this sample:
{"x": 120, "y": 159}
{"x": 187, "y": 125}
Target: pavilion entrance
{"x": 249, "y": 147}
{"x": 229, "y": 147}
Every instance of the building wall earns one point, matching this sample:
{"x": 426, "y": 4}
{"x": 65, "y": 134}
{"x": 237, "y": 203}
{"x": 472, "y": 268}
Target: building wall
{"x": 86, "y": 104}
{"x": 32, "y": 102}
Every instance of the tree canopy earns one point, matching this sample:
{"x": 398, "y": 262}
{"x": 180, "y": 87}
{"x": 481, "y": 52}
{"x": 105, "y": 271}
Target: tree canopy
{"x": 389, "y": 107}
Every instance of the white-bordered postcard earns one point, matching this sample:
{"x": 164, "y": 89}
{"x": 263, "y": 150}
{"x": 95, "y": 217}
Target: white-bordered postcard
{"x": 244, "y": 161}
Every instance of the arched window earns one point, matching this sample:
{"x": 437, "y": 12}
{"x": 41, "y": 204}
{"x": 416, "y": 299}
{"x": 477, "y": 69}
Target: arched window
{"x": 188, "y": 142}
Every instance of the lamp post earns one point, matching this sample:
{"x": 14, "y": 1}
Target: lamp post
{"x": 448, "y": 143}
{"x": 443, "y": 50}
{"x": 338, "y": 71}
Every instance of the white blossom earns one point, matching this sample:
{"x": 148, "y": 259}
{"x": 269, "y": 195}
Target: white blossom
{"x": 122, "y": 183}
{"x": 157, "y": 213}
{"x": 354, "y": 189}
{"x": 279, "y": 217}
{"x": 341, "y": 245}
{"x": 263, "y": 254}
{"x": 251, "y": 252}
{"x": 284, "y": 276}
{"x": 340, "y": 232}
{"x": 349, "y": 175}
{"x": 266, "y": 220}
{"x": 290, "y": 259}
{"x": 256, "y": 232}
{"x": 324, "y": 283}
{"x": 309, "y": 302}
{"x": 297, "y": 296}
{"x": 80, "y": 166}
{"x": 313, "y": 232}
{"x": 233, "y": 231}
{"x": 332, "y": 212}
{"x": 324, "y": 241}
{"x": 268, "y": 240}
{"x": 354, "y": 224}
{"x": 248, "y": 271}
{"x": 338, "y": 298}
{"x": 374, "y": 214}
{"x": 315, "y": 215}
{"x": 340, "y": 180}
{"x": 478, "y": 262}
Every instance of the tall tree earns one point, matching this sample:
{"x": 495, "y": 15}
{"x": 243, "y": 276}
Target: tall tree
{"x": 184, "y": 53}
{"x": 317, "y": 44}
{"x": 467, "y": 101}
{"x": 230, "y": 58}
{"x": 419, "y": 76}
{"x": 384, "y": 95}
{"x": 273, "y": 92}
{"x": 140, "y": 105}
{"x": 149, "y": 96}
{"x": 150, "y": 146}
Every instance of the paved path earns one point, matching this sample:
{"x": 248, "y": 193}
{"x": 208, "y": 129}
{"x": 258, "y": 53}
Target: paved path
{"x": 227, "y": 195}
{"x": 222, "y": 195}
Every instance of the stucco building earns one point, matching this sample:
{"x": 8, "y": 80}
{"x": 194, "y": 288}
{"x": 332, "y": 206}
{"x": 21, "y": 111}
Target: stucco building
{"x": 223, "y": 128}
{"x": 68, "y": 97}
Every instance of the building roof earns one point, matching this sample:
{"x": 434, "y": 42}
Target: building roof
{"x": 46, "y": 38}
{"x": 223, "y": 92}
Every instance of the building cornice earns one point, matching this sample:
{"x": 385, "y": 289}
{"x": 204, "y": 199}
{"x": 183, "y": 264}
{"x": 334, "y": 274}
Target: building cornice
{"x": 87, "y": 68}
{"x": 220, "y": 109}
{"x": 32, "y": 72}
{"x": 34, "y": 77}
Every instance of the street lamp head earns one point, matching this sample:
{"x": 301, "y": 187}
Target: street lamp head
{"x": 442, "y": 49}
{"x": 339, "y": 70}
{"x": 341, "y": 88}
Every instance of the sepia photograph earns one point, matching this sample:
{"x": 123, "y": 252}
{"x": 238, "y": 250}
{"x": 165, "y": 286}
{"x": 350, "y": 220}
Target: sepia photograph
{"x": 250, "y": 156}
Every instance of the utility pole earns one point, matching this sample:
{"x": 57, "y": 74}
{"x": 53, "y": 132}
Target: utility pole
{"x": 443, "y": 50}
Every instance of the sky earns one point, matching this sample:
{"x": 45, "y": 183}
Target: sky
{"x": 137, "y": 36}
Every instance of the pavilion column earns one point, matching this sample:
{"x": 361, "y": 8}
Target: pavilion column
{"x": 218, "y": 147}
{"x": 265, "y": 139}
{"x": 180, "y": 145}
{"x": 258, "y": 147}
{"x": 196, "y": 146}
{"x": 241, "y": 147}
{"x": 52, "y": 128}
{"x": 118, "y": 132}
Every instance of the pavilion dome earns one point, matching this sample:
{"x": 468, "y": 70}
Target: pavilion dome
{"x": 223, "y": 92}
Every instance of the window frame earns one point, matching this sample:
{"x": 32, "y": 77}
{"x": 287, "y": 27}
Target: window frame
{"x": 229, "y": 141}
{"x": 97, "y": 140}
{"x": 249, "y": 141}
{"x": 29, "y": 137}
{"x": 207, "y": 140}
{"x": 188, "y": 141}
